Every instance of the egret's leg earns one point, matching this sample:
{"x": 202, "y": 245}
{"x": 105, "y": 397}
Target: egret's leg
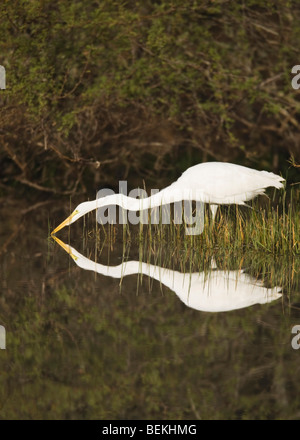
{"x": 213, "y": 264}
{"x": 213, "y": 209}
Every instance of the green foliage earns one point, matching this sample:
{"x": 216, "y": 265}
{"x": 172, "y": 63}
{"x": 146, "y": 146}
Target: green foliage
{"x": 214, "y": 71}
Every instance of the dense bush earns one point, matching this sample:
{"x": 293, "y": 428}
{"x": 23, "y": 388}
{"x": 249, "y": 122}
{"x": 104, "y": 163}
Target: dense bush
{"x": 134, "y": 86}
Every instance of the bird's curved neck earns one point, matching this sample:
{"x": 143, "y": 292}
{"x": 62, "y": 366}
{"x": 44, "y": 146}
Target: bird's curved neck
{"x": 170, "y": 278}
{"x": 165, "y": 196}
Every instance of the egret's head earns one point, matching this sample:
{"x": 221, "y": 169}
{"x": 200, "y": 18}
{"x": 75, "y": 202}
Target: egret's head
{"x": 78, "y": 212}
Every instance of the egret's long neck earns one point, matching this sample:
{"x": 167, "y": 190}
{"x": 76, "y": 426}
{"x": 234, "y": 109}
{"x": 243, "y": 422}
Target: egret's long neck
{"x": 168, "y": 195}
{"x": 170, "y": 278}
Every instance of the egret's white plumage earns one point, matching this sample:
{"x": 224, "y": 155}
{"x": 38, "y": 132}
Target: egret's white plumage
{"x": 213, "y": 291}
{"x": 215, "y": 183}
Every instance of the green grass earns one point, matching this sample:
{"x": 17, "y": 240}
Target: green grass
{"x": 272, "y": 229}
{"x": 264, "y": 241}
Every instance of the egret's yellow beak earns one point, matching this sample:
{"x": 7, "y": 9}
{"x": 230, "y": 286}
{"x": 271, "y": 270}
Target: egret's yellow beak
{"x": 65, "y": 246}
{"x": 64, "y": 223}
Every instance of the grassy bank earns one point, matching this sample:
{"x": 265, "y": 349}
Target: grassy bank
{"x": 267, "y": 228}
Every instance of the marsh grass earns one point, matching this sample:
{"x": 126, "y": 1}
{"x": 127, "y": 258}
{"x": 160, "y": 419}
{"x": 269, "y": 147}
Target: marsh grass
{"x": 262, "y": 239}
{"x": 263, "y": 227}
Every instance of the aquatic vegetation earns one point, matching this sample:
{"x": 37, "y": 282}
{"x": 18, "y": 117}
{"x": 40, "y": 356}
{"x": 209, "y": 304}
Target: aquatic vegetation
{"x": 269, "y": 229}
{"x": 264, "y": 240}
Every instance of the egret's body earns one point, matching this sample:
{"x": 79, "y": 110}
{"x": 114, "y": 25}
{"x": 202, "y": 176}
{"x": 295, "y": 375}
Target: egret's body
{"x": 215, "y": 183}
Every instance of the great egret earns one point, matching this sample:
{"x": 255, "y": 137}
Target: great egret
{"x": 215, "y": 291}
{"x": 215, "y": 183}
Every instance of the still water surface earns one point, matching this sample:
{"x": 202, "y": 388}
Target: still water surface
{"x": 99, "y": 327}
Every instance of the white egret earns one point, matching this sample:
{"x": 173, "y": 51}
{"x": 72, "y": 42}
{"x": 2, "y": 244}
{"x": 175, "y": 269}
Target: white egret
{"x": 215, "y": 291}
{"x": 215, "y": 183}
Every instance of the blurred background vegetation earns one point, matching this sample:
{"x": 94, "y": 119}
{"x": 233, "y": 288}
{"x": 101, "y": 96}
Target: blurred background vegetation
{"x": 107, "y": 90}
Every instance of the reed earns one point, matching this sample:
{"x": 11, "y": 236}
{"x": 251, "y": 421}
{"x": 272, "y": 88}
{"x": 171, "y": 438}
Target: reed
{"x": 272, "y": 229}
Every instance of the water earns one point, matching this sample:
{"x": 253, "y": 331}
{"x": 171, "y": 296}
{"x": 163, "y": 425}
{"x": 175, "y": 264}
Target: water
{"x": 138, "y": 341}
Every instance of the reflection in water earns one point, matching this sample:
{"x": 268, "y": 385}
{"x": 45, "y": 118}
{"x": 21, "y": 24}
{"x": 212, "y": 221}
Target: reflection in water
{"x": 216, "y": 291}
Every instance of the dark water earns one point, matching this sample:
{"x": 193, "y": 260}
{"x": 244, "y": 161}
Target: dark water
{"x": 143, "y": 333}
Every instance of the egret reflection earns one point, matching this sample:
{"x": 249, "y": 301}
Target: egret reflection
{"x": 213, "y": 291}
